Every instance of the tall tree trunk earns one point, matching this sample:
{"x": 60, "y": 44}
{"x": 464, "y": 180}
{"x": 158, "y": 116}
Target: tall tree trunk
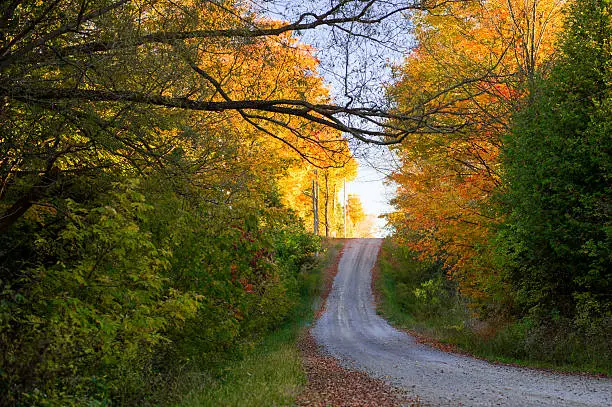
{"x": 326, "y": 204}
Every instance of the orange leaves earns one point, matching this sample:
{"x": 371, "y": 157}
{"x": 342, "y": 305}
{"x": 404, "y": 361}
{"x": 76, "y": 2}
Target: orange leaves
{"x": 253, "y": 68}
{"x": 267, "y": 68}
{"x": 470, "y": 68}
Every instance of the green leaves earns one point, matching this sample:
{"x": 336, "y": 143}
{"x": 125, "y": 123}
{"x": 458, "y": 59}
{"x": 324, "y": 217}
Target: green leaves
{"x": 557, "y": 171}
{"x": 124, "y": 286}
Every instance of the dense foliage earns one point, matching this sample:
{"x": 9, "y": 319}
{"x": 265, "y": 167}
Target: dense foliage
{"x": 557, "y": 236}
{"x": 414, "y": 294}
{"x": 515, "y": 203}
{"x": 107, "y": 298}
{"x": 470, "y": 67}
{"x": 136, "y": 238}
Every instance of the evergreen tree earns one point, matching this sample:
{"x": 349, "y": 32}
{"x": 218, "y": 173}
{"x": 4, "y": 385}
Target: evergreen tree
{"x": 557, "y": 159}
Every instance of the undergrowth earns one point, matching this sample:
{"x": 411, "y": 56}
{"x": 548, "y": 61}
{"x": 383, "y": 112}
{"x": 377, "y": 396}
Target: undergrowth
{"x": 415, "y": 295}
{"x": 272, "y": 373}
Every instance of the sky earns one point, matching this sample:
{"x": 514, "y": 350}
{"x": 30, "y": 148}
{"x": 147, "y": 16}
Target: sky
{"x": 373, "y": 192}
{"x": 371, "y": 184}
{"x": 356, "y": 69}
{"x": 366, "y": 68}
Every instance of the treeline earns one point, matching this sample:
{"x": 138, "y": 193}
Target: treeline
{"x": 514, "y": 205}
{"x": 140, "y": 240}
{"x": 112, "y": 291}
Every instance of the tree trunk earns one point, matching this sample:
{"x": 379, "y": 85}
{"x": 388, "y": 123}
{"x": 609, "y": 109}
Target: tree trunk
{"x": 326, "y": 204}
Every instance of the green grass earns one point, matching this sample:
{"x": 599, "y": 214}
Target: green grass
{"x": 443, "y": 316}
{"x": 272, "y": 374}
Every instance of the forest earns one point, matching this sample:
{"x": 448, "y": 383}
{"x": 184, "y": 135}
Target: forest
{"x": 164, "y": 164}
{"x": 509, "y": 216}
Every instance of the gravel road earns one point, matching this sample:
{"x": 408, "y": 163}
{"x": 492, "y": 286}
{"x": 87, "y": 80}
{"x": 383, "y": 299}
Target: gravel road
{"x": 350, "y": 330}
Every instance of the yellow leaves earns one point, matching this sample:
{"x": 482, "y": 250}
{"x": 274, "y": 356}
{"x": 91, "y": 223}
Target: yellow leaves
{"x": 470, "y": 68}
{"x": 355, "y": 209}
{"x": 296, "y": 190}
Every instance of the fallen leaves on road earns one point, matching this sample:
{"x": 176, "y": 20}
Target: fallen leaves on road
{"x": 331, "y": 385}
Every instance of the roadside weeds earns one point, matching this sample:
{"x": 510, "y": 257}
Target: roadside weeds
{"x": 431, "y": 337}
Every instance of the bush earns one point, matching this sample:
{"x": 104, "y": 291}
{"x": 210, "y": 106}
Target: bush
{"x": 81, "y": 323}
{"x": 106, "y": 297}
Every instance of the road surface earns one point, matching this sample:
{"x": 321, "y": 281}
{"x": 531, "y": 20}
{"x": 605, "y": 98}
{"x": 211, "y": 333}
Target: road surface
{"x": 351, "y": 331}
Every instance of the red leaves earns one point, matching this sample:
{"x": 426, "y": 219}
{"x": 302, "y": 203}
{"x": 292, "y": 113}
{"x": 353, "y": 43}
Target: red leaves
{"x": 248, "y": 287}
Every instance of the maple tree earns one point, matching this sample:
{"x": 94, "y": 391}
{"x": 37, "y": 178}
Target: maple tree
{"x": 473, "y": 64}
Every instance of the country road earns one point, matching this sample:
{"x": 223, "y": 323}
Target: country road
{"x": 351, "y": 331}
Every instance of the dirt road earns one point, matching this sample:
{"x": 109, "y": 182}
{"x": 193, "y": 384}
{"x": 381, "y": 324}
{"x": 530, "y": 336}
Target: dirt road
{"x": 350, "y": 330}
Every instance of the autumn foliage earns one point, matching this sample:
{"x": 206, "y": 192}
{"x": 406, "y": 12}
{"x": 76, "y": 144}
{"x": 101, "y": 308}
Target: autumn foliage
{"x": 471, "y": 68}
{"x": 509, "y": 205}
{"x": 141, "y": 241}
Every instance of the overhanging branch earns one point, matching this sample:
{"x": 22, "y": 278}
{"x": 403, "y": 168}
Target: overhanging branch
{"x": 391, "y": 128}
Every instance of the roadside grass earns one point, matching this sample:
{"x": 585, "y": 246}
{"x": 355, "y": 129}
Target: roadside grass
{"x": 272, "y": 373}
{"x": 415, "y": 296}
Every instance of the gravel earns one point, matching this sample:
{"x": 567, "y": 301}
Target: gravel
{"x": 351, "y": 331}
{"x": 329, "y": 384}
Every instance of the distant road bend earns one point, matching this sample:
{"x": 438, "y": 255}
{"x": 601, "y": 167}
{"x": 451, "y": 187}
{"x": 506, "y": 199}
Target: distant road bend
{"x": 350, "y": 330}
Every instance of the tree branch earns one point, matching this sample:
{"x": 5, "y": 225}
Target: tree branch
{"x": 327, "y": 115}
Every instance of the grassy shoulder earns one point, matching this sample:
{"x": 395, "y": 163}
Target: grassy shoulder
{"x": 414, "y": 295}
{"x": 272, "y": 373}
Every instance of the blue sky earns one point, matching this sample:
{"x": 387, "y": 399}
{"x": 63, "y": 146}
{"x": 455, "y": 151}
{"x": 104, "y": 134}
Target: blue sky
{"x": 371, "y": 188}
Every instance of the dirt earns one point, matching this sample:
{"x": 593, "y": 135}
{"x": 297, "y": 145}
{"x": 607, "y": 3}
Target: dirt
{"x": 352, "y": 332}
{"x": 330, "y": 384}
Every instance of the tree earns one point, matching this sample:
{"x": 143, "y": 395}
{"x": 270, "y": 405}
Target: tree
{"x": 296, "y": 190}
{"x": 354, "y": 213}
{"x": 557, "y": 235}
{"x": 85, "y": 85}
{"x": 472, "y": 66}
{"x": 146, "y": 150}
